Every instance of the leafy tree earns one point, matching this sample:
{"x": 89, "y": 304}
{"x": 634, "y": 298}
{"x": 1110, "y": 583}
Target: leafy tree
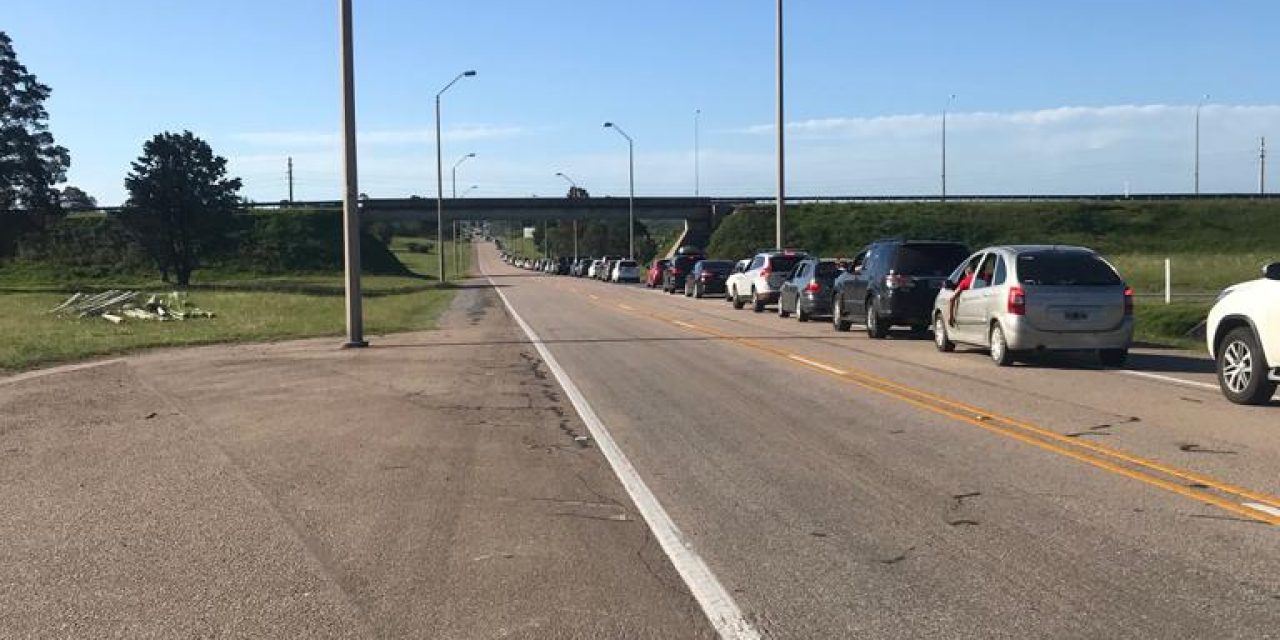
{"x": 77, "y": 198}
{"x": 180, "y": 203}
{"x": 30, "y": 162}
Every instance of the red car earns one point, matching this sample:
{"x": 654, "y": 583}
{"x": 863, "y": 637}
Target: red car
{"x": 653, "y": 278}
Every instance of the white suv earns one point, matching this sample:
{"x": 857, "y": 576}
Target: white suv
{"x": 762, "y": 278}
{"x": 1243, "y": 332}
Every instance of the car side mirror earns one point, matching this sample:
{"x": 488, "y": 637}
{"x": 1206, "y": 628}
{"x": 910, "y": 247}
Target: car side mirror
{"x": 1271, "y": 271}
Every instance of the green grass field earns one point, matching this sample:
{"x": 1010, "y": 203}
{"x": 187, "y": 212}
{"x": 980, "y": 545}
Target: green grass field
{"x": 248, "y": 309}
{"x": 1203, "y": 274}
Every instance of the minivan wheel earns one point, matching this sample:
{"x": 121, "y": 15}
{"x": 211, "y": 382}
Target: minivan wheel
{"x": 837, "y": 316}
{"x": 801, "y": 314}
{"x": 1000, "y": 347}
{"x": 757, "y": 303}
{"x": 876, "y": 328}
{"x": 737, "y": 300}
{"x": 1113, "y": 357}
{"x": 940, "y": 338}
{"x": 1242, "y": 369}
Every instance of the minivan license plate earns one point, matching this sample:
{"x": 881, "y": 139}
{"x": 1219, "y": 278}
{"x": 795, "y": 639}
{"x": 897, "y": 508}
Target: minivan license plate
{"x": 1077, "y": 315}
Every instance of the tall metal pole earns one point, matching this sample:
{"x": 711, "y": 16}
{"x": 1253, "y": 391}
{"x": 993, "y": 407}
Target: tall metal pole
{"x": 631, "y": 175}
{"x": 944, "y": 146}
{"x": 631, "y": 200}
{"x": 351, "y": 187}
{"x": 1197, "y": 170}
{"x": 573, "y": 187}
{"x": 440, "y": 175}
{"x": 782, "y": 168}
{"x": 290, "y": 179}
{"x": 697, "y": 177}
{"x": 1262, "y": 166}
{"x": 439, "y": 195}
{"x": 454, "y": 172}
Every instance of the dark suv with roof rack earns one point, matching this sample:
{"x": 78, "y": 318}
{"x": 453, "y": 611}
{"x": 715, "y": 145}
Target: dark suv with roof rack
{"x": 894, "y": 282}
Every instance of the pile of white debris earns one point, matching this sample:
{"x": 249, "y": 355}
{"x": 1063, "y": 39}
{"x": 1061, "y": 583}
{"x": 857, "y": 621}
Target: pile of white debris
{"x": 116, "y": 305}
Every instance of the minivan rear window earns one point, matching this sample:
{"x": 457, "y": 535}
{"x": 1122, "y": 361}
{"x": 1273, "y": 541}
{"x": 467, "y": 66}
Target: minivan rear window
{"x": 828, "y": 269}
{"x": 719, "y": 266}
{"x": 784, "y": 264}
{"x": 1065, "y": 268}
{"x": 929, "y": 260}
{"x": 627, "y": 263}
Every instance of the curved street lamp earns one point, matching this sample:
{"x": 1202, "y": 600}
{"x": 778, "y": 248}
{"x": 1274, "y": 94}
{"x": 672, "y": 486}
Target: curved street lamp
{"x": 631, "y": 201}
{"x": 454, "y": 171}
{"x": 440, "y": 174}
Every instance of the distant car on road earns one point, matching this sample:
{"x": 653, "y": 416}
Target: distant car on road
{"x": 625, "y": 271}
{"x": 893, "y": 282}
{"x": 1037, "y": 298}
{"x": 807, "y": 291}
{"x": 606, "y": 267}
{"x": 653, "y": 276}
{"x": 707, "y": 277}
{"x": 1243, "y": 334}
{"x": 763, "y": 278}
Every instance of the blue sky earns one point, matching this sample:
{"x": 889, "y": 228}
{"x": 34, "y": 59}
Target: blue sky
{"x": 1067, "y": 97}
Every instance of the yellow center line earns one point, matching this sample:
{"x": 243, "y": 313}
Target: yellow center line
{"x": 1023, "y": 431}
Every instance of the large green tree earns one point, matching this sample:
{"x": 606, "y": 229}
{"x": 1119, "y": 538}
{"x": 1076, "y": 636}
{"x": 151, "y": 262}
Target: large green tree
{"x": 30, "y": 161}
{"x": 181, "y": 202}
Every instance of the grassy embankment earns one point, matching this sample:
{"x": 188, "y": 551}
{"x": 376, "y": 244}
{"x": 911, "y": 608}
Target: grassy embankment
{"x": 248, "y": 309}
{"x": 1212, "y": 243}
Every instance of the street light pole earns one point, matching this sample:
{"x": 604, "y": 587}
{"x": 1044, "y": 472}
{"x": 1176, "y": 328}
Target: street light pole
{"x": 697, "y": 177}
{"x": 351, "y": 187}
{"x": 944, "y": 146}
{"x": 573, "y": 186}
{"x": 631, "y": 176}
{"x": 440, "y": 175}
{"x": 1199, "y": 105}
{"x": 454, "y": 172}
{"x": 782, "y": 173}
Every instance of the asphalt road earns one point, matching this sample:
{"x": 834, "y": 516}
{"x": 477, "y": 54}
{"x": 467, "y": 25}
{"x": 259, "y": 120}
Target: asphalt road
{"x": 840, "y": 487}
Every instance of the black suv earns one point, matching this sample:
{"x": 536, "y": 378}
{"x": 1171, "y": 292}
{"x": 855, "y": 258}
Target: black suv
{"x": 678, "y": 271}
{"x": 894, "y": 282}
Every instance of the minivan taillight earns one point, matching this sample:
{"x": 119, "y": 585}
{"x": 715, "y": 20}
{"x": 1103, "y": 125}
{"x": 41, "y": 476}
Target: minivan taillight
{"x": 765, "y": 271}
{"x": 1017, "y": 301}
{"x": 812, "y": 287}
{"x": 1128, "y": 301}
{"x": 708, "y": 275}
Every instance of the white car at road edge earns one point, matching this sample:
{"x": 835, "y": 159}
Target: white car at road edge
{"x": 1243, "y": 335}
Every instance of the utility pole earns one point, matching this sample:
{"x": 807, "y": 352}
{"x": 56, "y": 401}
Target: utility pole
{"x": 351, "y": 187}
{"x": 944, "y": 146}
{"x": 697, "y": 178}
{"x": 1199, "y": 105}
{"x": 290, "y": 179}
{"x": 1262, "y": 166}
{"x": 782, "y": 173}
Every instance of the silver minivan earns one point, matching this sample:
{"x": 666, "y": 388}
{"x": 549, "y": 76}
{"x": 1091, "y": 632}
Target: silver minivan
{"x": 1036, "y": 298}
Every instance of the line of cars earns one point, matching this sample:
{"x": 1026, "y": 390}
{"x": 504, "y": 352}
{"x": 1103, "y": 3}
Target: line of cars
{"x": 1011, "y": 300}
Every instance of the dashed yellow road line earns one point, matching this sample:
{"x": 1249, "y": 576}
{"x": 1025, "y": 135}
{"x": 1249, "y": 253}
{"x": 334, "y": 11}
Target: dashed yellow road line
{"x": 1243, "y": 502}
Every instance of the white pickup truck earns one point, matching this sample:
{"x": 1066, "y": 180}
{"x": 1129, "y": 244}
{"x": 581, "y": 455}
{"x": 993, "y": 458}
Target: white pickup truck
{"x": 1243, "y": 332}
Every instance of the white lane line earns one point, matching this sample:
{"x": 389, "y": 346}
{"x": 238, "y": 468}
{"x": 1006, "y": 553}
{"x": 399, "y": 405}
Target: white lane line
{"x": 626, "y": 307}
{"x": 812, "y": 363}
{"x": 685, "y": 324}
{"x": 716, "y": 603}
{"x": 31, "y": 375}
{"x": 594, "y": 296}
{"x": 1156, "y": 376}
{"x": 1265, "y": 508}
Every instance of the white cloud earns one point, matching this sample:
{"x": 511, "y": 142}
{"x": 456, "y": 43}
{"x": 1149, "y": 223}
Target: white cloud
{"x": 386, "y": 137}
